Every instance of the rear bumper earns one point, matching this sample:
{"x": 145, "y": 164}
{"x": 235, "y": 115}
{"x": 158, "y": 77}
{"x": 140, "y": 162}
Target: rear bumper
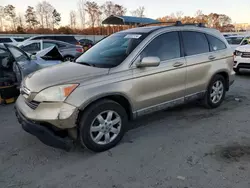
{"x": 44, "y": 134}
{"x": 240, "y": 62}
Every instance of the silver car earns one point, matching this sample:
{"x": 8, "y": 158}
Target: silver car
{"x": 68, "y": 51}
{"x": 126, "y": 75}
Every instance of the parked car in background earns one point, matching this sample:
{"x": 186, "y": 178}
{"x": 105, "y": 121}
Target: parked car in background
{"x": 242, "y": 58}
{"x": 86, "y": 44}
{"x": 65, "y": 38}
{"x": 15, "y": 64}
{"x": 12, "y": 40}
{"x": 126, "y": 75}
{"x": 238, "y": 40}
{"x": 68, "y": 51}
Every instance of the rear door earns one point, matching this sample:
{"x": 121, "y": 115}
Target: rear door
{"x": 159, "y": 87}
{"x": 198, "y": 57}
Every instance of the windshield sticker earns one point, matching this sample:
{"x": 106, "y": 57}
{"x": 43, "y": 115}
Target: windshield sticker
{"x": 132, "y": 36}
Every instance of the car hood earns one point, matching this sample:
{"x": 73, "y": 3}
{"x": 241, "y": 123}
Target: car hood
{"x": 61, "y": 74}
{"x": 244, "y": 48}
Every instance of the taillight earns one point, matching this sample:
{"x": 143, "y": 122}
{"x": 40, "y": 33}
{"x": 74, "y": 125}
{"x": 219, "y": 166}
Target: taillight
{"x": 79, "y": 50}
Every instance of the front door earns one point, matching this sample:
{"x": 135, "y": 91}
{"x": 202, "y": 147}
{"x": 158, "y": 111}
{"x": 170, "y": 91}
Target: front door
{"x": 155, "y": 88}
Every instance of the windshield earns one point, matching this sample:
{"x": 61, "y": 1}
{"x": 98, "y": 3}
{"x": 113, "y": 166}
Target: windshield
{"x": 111, "y": 51}
{"x": 234, "y": 40}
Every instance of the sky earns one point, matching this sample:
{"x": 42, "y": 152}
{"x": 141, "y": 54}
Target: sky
{"x": 238, "y": 10}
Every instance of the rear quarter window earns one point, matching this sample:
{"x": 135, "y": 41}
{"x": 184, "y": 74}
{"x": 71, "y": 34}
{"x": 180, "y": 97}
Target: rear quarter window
{"x": 215, "y": 44}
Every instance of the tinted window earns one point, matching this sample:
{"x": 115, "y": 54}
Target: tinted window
{"x": 3, "y": 40}
{"x": 48, "y": 44}
{"x": 215, "y": 44}
{"x": 37, "y": 38}
{"x": 194, "y": 43}
{"x": 19, "y": 39}
{"x": 111, "y": 51}
{"x": 165, "y": 46}
{"x": 234, "y": 40}
{"x": 69, "y": 39}
{"x": 31, "y": 47}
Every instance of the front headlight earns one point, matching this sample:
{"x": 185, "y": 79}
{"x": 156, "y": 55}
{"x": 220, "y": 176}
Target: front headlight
{"x": 56, "y": 93}
{"x": 237, "y": 53}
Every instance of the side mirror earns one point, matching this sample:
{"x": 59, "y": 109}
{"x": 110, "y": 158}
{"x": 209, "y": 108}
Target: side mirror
{"x": 149, "y": 62}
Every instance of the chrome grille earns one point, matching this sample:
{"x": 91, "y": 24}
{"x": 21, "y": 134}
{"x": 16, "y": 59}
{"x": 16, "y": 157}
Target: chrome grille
{"x": 246, "y": 54}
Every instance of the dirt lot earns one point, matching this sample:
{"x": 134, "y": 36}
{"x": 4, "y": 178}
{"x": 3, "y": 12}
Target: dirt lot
{"x": 186, "y": 147}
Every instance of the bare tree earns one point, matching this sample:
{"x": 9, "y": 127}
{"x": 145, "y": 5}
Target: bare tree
{"x": 56, "y": 18}
{"x": 119, "y": 10}
{"x": 179, "y": 15}
{"x": 40, "y": 13}
{"x": 93, "y": 11}
{"x": 1, "y": 17}
{"x": 10, "y": 15}
{"x": 139, "y": 12}
{"x": 82, "y": 13}
{"x": 108, "y": 8}
{"x": 20, "y": 22}
{"x": 45, "y": 14}
{"x": 30, "y": 16}
{"x": 72, "y": 17}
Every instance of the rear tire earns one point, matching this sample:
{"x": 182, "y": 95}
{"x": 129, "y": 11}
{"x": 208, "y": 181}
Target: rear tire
{"x": 215, "y": 93}
{"x": 68, "y": 58}
{"x": 102, "y": 125}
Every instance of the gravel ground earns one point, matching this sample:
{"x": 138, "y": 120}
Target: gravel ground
{"x": 185, "y": 147}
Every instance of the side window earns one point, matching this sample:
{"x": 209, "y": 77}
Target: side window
{"x": 37, "y": 38}
{"x": 194, "y": 43}
{"x": 165, "y": 46}
{"x": 215, "y": 44}
{"x": 32, "y": 47}
{"x": 48, "y": 44}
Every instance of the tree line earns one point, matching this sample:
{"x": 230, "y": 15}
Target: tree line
{"x": 87, "y": 19}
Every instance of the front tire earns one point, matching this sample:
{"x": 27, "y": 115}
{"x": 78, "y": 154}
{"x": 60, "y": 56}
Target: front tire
{"x": 215, "y": 93}
{"x": 102, "y": 125}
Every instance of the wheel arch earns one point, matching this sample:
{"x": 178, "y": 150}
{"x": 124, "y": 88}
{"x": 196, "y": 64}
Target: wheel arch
{"x": 117, "y": 97}
{"x": 225, "y": 75}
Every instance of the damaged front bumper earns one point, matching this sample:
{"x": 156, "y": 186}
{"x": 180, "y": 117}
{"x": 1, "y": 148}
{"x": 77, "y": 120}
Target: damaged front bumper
{"x": 58, "y": 114}
{"x": 51, "y": 123}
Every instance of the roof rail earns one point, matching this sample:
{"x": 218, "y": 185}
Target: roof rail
{"x": 176, "y": 23}
{"x": 143, "y": 25}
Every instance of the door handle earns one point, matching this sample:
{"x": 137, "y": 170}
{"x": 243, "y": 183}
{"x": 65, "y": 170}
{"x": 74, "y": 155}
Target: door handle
{"x": 211, "y": 57}
{"x": 178, "y": 64}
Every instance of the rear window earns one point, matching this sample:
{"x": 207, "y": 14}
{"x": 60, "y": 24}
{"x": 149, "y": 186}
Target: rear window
{"x": 3, "y": 40}
{"x": 69, "y": 39}
{"x": 234, "y": 40}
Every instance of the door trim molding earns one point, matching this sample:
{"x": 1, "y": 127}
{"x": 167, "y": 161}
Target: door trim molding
{"x": 168, "y": 104}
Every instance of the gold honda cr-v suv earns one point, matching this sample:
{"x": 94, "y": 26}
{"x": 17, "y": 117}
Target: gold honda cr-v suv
{"x": 126, "y": 75}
